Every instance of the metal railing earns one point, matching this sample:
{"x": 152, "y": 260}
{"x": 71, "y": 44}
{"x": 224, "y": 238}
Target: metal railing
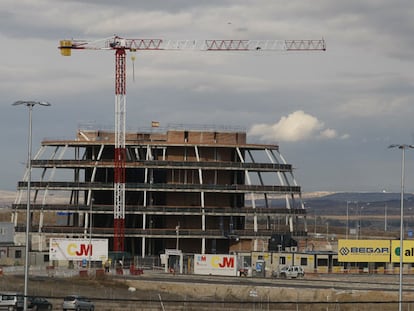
{"x": 166, "y": 164}
{"x": 167, "y": 233}
{"x": 166, "y": 210}
{"x": 157, "y": 187}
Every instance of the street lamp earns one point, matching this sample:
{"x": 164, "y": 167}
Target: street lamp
{"x": 347, "y": 216}
{"x": 357, "y": 221}
{"x": 361, "y": 208}
{"x": 402, "y": 147}
{"x": 385, "y": 217}
{"x": 309, "y": 208}
{"x": 90, "y": 231}
{"x": 327, "y": 231}
{"x": 177, "y": 231}
{"x": 347, "y": 219}
{"x": 30, "y": 104}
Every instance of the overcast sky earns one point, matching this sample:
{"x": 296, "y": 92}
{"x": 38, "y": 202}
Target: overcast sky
{"x": 332, "y": 113}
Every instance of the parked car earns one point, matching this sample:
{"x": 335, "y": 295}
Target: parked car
{"x": 288, "y": 272}
{"x": 38, "y": 304}
{"x": 12, "y": 301}
{"x": 76, "y": 302}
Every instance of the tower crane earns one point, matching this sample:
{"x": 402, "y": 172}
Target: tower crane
{"x": 121, "y": 46}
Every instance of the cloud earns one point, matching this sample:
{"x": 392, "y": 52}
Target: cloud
{"x": 297, "y": 126}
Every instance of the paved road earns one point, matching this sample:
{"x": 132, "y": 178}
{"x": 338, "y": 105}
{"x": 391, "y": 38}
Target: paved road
{"x": 374, "y": 282}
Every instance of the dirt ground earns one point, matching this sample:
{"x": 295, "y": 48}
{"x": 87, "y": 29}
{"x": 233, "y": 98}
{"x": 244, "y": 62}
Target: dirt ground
{"x": 164, "y": 293}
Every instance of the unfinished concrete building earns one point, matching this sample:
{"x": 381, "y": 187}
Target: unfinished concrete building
{"x": 200, "y": 191}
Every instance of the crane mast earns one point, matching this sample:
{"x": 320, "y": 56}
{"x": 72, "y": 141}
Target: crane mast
{"x": 121, "y": 45}
{"x": 119, "y": 149}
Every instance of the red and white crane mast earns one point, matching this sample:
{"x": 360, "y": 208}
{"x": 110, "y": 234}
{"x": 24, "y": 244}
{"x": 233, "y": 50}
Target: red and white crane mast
{"x": 121, "y": 45}
{"x": 119, "y": 149}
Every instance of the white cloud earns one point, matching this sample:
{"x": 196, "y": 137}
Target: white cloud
{"x": 328, "y": 133}
{"x": 297, "y": 126}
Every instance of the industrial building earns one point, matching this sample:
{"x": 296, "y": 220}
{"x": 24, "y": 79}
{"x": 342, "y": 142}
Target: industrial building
{"x": 199, "y": 190}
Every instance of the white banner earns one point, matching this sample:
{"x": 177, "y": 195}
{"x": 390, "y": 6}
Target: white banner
{"x": 78, "y": 249}
{"x": 215, "y": 264}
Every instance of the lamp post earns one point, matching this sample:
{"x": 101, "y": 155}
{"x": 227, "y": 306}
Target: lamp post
{"x": 402, "y": 147}
{"x": 30, "y": 105}
{"x": 360, "y": 222}
{"x": 347, "y": 216}
{"x": 359, "y": 211}
{"x": 308, "y": 209}
{"x": 361, "y": 216}
{"x": 347, "y": 219}
{"x": 385, "y": 217}
{"x": 90, "y": 232}
{"x": 357, "y": 221}
{"x": 177, "y": 231}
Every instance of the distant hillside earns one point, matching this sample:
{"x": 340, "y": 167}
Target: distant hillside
{"x": 366, "y": 196}
{"x": 335, "y": 203}
{"x": 7, "y": 198}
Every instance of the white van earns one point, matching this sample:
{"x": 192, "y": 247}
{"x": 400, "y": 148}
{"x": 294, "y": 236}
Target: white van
{"x": 11, "y": 301}
{"x": 288, "y": 272}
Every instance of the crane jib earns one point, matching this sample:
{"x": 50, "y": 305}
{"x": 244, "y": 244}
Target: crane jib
{"x": 116, "y": 43}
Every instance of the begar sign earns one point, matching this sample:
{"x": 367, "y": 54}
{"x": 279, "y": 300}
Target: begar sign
{"x": 364, "y": 250}
{"x": 375, "y": 251}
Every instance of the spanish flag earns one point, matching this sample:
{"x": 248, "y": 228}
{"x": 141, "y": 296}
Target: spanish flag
{"x": 155, "y": 124}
